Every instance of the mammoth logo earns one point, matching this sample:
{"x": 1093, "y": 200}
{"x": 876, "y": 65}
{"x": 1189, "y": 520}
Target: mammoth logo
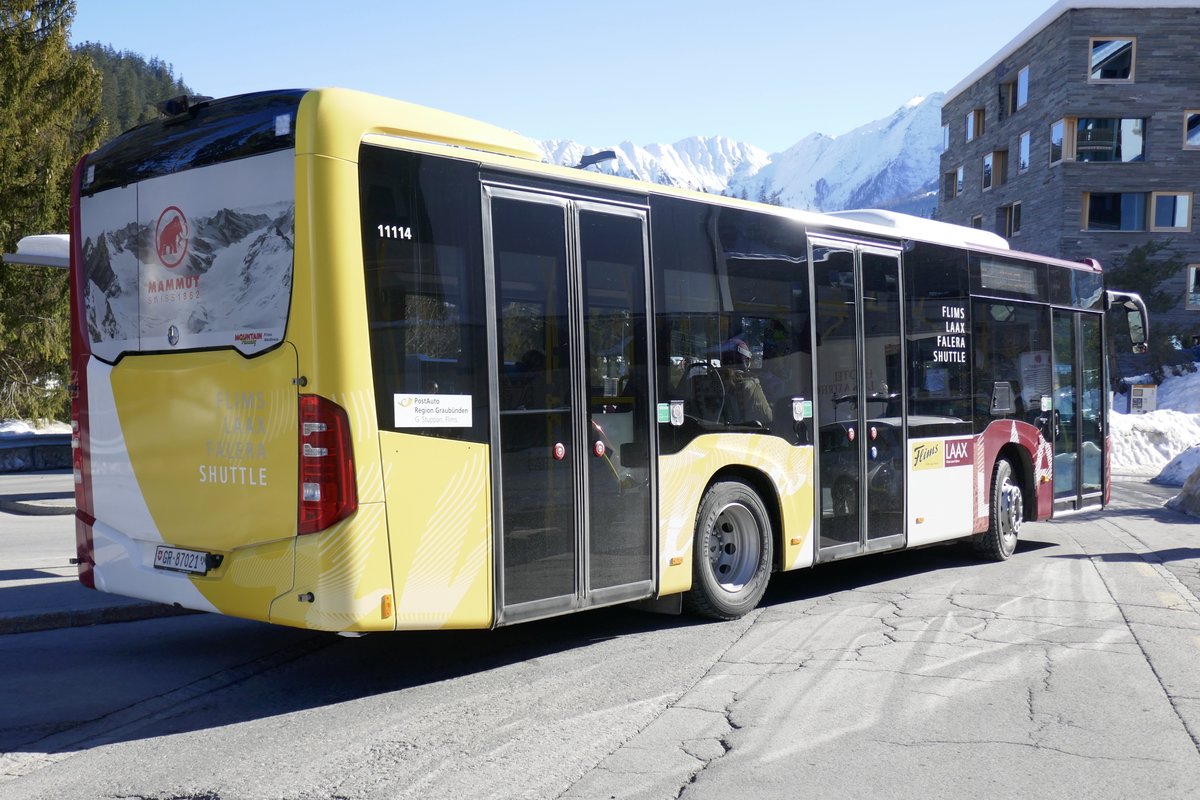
{"x": 171, "y": 237}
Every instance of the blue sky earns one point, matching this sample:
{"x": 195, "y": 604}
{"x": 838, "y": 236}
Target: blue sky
{"x": 768, "y": 73}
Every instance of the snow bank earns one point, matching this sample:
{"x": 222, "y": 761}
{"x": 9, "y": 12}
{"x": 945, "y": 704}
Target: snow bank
{"x": 1141, "y": 441}
{"x": 15, "y": 427}
{"x": 1180, "y": 468}
{"x": 1188, "y": 500}
{"x": 1180, "y": 393}
{"x": 1144, "y": 444}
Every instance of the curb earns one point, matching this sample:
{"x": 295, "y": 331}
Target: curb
{"x": 53, "y": 620}
{"x": 29, "y": 506}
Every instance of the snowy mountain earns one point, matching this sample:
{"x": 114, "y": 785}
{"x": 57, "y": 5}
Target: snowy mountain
{"x": 706, "y": 164}
{"x": 889, "y": 163}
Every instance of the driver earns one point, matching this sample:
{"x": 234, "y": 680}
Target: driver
{"x": 749, "y": 403}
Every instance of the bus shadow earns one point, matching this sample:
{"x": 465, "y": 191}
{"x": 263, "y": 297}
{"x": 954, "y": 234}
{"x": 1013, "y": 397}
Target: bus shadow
{"x": 302, "y": 670}
{"x": 862, "y": 573}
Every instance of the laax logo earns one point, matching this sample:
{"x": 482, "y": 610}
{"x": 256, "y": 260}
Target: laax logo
{"x": 171, "y": 237}
{"x": 960, "y": 452}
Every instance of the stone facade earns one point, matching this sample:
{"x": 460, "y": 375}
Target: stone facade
{"x": 1053, "y": 197}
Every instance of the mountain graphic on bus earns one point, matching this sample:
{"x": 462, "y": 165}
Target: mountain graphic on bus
{"x": 234, "y": 275}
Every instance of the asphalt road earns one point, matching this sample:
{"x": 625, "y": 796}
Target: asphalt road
{"x": 1067, "y": 671}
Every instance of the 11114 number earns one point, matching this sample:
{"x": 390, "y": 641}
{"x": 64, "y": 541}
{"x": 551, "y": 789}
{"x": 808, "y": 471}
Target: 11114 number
{"x": 395, "y": 232}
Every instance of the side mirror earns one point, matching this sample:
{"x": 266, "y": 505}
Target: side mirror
{"x": 1137, "y": 328}
{"x": 1135, "y": 314}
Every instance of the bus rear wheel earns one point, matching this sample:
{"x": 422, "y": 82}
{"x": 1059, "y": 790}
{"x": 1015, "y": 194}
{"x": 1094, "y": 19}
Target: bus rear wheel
{"x": 1007, "y": 514}
{"x": 731, "y": 554}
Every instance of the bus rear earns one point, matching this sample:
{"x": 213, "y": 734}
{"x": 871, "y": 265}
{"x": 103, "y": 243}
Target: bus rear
{"x": 200, "y": 455}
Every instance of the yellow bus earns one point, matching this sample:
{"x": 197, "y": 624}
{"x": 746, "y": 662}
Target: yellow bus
{"x": 351, "y": 364}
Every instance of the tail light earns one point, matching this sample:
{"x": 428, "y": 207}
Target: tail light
{"x": 327, "y": 488}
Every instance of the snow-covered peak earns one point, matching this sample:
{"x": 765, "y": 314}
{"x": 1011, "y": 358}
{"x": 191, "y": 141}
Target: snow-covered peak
{"x": 890, "y": 163}
{"x": 705, "y": 163}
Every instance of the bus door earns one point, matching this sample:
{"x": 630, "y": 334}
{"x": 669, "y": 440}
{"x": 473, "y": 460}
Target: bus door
{"x": 860, "y": 398}
{"x": 572, "y": 430}
{"x": 1078, "y": 415}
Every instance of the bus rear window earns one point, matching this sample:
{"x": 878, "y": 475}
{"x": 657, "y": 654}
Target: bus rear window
{"x": 425, "y": 296}
{"x": 195, "y": 259}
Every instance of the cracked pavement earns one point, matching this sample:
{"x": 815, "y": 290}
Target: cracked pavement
{"x": 1069, "y": 670}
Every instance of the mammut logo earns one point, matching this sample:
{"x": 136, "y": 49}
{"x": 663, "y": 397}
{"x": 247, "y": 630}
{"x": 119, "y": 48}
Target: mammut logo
{"x": 171, "y": 237}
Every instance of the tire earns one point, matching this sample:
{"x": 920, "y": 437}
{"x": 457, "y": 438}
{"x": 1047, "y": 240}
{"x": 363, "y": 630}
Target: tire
{"x": 732, "y": 552}
{"x": 1007, "y": 514}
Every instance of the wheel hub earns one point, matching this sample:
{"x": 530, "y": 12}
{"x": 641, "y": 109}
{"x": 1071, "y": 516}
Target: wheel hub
{"x": 1011, "y": 510}
{"x": 732, "y": 547}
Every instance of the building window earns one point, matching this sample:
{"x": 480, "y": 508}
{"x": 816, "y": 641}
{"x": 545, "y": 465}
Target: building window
{"x": 974, "y": 124}
{"x": 1023, "y": 152}
{"x": 977, "y": 221}
{"x": 1012, "y": 220}
{"x": 1107, "y": 139}
{"x": 987, "y": 171}
{"x": 1057, "y": 135}
{"x": 1112, "y": 59}
{"x": 1193, "y": 287}
{"x": 1114, "y": 211}
{"x": 953, "y": 183}
{"x": 1171, "y": 211}
{"x": 945, "y": 138}
{"x": 1014, "y": 94}
{"x": 1191, "y": 130}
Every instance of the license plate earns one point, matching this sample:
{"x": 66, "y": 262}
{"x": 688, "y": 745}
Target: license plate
{"x": 178, "y": 560}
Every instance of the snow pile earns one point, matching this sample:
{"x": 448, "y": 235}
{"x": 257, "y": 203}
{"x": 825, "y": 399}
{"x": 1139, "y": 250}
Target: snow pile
{"x": 16, "y": 427}
{"x": 1188, "y": 500}
{"x": 1143, "y": 444}
{"x": 1180, "y": 393}
{"x": 1180, "y": 468}
{"x": 1164, "y": 444}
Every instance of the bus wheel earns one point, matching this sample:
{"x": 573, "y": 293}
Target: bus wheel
{"x": 1007, "y": 514}
{"x": 731, "y": 554}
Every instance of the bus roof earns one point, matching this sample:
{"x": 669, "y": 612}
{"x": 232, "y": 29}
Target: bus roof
{"x": 343, "y": 119}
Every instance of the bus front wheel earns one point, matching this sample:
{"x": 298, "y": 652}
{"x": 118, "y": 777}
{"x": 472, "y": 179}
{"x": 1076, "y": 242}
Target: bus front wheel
{"x": 731, "y": 553}
{"x": 1007, "y": 514}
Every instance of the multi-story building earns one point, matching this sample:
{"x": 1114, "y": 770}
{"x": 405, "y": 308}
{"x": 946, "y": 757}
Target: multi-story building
{"x": 1081, "y": 139}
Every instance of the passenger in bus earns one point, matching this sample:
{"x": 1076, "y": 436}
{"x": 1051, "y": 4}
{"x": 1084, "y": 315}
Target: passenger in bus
{"x": 745, "y": 402}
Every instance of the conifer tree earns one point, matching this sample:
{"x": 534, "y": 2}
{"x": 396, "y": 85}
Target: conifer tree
{"x": 48, "y": 97}
{"x": 131, "y": 86}
{"x": 1152, "y": 270}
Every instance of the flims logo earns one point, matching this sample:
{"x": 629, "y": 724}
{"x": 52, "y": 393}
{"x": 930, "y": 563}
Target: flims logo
{"x": 171, "y": 237}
